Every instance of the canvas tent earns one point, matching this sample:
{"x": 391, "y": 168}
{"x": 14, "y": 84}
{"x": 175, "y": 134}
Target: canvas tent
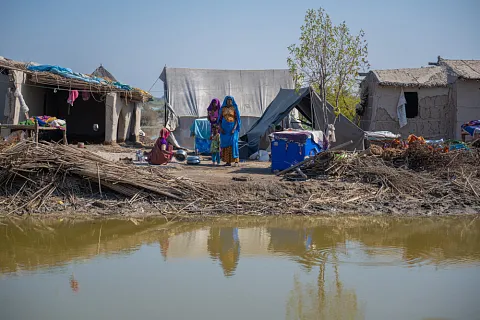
{"x": 309, "y": 104}
{"x": 188, "y": 93}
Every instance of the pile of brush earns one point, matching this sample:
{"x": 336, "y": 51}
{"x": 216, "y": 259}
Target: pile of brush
{"x": 415, "y": 172}
{"x": 31, "y": 175}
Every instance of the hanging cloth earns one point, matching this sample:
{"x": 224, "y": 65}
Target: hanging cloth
{"x": 85, "y": 95}
{"x": 72, "y": 96}
{"x": 331, "y": 133}
{"x": 23, "y": 105}
{"x": 401, "y": 112}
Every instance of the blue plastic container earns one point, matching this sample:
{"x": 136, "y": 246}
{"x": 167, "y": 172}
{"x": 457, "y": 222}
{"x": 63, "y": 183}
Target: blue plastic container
{"x": 288, "y": 152}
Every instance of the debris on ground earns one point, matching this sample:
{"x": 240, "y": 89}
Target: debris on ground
{"x": 416, "y": 174}
{"x": 33, "y": 175}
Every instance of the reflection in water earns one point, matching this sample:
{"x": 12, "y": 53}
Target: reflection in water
{"x": 310, "y": 242}
{"x": 73, "y": 283}
{"x": 223, "y": 245}
{"x": 336, "y": 262}
{"x": 307, "y": 302}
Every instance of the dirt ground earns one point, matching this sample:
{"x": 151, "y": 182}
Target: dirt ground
{"x": 252, "y": 189}
{"x": 252, "y": 171}
{"x": 253, "y": 182}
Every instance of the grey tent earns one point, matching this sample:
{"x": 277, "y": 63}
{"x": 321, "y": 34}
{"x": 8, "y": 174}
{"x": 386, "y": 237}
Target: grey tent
{"x": 309, "y": 104}
{"x": 188, "y": 92}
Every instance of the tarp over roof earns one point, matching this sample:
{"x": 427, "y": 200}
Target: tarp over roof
{"x": 189, "y": 91}
{"x": 306, "y": 101}
{"x": 413, "y": 77}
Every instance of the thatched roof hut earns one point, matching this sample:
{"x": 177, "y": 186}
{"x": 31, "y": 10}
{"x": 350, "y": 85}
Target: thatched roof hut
{"x": 101, "y": 72}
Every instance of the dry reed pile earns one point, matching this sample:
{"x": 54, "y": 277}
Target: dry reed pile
{"x": 417, "y": 173}
{"x": 31, "y": 176}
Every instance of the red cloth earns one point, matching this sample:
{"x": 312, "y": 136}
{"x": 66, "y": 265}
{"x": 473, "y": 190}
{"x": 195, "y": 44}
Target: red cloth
{"x": 157, "y": 155}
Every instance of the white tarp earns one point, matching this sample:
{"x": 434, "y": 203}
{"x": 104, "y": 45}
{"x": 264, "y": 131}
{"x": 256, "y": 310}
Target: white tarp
{"x": 188, "y": 93}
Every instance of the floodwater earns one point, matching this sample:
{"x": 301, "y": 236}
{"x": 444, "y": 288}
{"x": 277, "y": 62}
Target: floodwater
{"x": 283, "y": 268}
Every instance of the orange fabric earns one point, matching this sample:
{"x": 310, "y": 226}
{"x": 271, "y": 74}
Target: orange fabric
{"x": 412, "y": 138}
{"x": 229, "y": 114}
{"x": 227, "y": 155}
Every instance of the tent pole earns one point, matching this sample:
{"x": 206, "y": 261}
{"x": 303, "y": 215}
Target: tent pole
{"x": 311, "y": 108}
{"x": 165, "y": 117}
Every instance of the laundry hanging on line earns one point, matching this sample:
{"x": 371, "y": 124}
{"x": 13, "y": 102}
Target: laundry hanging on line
{"x": 72, "y": 96}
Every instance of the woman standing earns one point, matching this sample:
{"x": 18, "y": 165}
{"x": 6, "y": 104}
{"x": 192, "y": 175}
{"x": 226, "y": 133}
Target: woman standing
{"x": 230, "y": 123}
{"x": 213, "y": 111}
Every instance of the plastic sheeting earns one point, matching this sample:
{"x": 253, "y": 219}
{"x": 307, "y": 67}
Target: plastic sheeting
{"x": 200, "y": 128}
{"x": 68, "y": 73}
{"x": 309, "y": 105}
{"x": 190, "y": 91}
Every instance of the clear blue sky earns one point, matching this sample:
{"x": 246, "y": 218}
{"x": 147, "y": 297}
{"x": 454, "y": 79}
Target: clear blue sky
{"x": 135, "y": 39}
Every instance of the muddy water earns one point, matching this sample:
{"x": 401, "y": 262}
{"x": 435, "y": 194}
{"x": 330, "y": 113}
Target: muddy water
{"x": 328, "y": 268}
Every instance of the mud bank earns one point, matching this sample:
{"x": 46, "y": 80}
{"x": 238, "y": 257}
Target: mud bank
{"x": 352, "y": 185}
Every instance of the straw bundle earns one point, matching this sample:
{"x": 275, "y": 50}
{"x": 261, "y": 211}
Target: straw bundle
{"x": 31, "y": 174}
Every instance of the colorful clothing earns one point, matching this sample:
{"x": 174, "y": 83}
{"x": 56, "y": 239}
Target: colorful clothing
{"x": 213, "y": 112}
{"x": 72, "y": 96}
{"x": 227, "y": 155}
{"x": 215, "y": 145}
{"x": 45, "y": 121}
{"x": 157, "y": 155}
{"x": 229, "y": 122}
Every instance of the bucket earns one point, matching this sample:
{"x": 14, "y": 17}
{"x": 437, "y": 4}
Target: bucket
{"x": 81, "y": 145}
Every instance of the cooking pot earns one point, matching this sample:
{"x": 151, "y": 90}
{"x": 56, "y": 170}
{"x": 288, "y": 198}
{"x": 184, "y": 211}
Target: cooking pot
{"x": 180, "y": 155}
{"x": 193, "y": 160}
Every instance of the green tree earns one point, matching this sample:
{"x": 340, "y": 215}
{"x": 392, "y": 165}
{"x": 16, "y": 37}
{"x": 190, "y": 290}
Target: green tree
{"x": 328, "y": 59}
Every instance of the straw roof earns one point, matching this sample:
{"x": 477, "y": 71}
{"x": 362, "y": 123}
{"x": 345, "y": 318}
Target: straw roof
{"x": 414, "y": 77}
{"x": 463, "y": 69}
{"x": 101, "y": 72}
{"x": 55, "y": 80}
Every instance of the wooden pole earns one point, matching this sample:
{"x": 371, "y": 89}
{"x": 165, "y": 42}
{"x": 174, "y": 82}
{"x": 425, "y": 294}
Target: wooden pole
{"x": 36, "y": 132}
{"x": 65, "y": 137}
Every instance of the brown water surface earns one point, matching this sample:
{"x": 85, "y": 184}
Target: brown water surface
{"x": 284, "y": 268}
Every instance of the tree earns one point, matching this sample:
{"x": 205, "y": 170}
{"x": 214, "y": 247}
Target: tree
{"x": 328, "y": 58}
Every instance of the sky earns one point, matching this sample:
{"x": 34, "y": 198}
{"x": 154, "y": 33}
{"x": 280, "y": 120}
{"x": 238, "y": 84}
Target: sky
{"x": 134, "y": 40}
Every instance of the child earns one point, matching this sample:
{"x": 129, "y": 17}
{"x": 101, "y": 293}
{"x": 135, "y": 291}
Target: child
{"x": 215, "y": 145}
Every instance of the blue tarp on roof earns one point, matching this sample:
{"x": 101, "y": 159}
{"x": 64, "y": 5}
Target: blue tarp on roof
{"x": 68, "y": 73}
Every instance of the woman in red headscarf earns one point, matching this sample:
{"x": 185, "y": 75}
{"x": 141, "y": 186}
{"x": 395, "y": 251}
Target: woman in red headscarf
{"x": 161, "y": 153}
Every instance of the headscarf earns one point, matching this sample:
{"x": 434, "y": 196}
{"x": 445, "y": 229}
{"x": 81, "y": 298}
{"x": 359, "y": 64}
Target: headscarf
{"x": 164, "y": 133}
{"x": 210, "y": 107}
{"x": 216, "y": 113}
{"x": 234, "y": 104}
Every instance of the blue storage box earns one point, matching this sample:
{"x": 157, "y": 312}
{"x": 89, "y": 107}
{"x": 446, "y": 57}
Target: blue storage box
{"x": 291, "y": 147}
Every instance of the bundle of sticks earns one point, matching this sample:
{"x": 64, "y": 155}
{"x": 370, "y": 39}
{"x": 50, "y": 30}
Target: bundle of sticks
{"x": 423, "y": 172}
{"x": 31, "y": 174}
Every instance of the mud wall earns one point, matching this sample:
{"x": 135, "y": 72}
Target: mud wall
{"x": 435, "y": 117}
{"x": 121, "y": 119}
{"x": 468, "y": 103}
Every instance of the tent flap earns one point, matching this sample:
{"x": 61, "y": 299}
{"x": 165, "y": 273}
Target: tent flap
{"x": 310, "y": 106}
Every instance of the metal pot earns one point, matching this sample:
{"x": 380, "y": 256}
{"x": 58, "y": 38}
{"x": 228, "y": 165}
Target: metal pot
{"x": 193, "y": 160}
{"x": 180, "y": 155}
